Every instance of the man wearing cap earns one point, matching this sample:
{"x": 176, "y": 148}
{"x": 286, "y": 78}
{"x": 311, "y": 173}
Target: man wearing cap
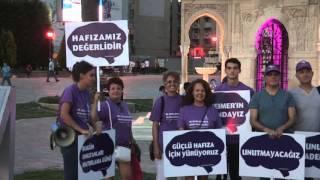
{"x": 307, "y": 100}
{"x": 272, "y": 110}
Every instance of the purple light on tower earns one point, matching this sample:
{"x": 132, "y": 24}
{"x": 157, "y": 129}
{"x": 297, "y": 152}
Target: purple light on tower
{"x": 272, "y": 48}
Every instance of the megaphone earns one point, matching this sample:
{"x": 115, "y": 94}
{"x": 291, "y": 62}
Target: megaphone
{"x": 62, "y": 136}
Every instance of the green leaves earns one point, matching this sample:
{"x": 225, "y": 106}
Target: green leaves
{"x": 8, "y": 48}
{"x": 27, "y": 21}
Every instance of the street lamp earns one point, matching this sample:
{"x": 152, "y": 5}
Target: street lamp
{"x": 214, "y": 41}
{"x": 50, "y": 37}
{"x": 214, "y": 38}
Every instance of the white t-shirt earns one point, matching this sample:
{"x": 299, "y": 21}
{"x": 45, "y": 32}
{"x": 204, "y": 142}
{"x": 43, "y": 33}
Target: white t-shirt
{"x": 146, "y": 63}
{"x": 51, "y": 66}
{"x": 308, "y": 110}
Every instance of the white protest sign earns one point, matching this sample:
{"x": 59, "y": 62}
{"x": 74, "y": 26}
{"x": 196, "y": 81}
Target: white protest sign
{"x": 96, "y": 156}
{"x": 99, "y": 43}
{"x": 262, "y": 156}
{"x": 312, "y": 154}
{"x": 194, "y": 152}
{"x": 233, "y": 108}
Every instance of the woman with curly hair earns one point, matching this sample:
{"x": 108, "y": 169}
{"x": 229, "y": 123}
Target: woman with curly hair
{"x": 197, "y": 111}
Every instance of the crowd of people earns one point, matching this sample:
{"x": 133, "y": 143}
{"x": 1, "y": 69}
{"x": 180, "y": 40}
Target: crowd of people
{"x": 272, "y": 110}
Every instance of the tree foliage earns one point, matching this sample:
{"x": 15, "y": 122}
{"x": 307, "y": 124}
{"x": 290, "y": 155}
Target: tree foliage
{"x": 8, "y": 49}
{"x": 28, "y": 21}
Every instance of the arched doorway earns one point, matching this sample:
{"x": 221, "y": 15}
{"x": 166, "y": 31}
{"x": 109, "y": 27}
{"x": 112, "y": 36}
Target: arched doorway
{"x": 204, "y": 50}
{"x": 188, "y": 20}
{"x": 272, "y": 48}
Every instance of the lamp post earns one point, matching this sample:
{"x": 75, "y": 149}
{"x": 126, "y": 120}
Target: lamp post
{"x": 214, "y": 42}
{"x": 50, "y": 37}
{"x": 215, "y": 46}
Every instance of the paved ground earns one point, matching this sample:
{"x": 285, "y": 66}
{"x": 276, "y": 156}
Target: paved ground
{"x": 31, "y": 89}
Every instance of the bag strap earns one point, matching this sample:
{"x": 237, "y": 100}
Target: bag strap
{"x": 202, "y": 118}
{"x": 318, "y": 88}
{"x": 162, "y": 107}
{"x": 109, "y": 110}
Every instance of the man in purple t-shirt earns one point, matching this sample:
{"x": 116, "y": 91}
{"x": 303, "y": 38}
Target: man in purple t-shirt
{"x": 232, "y": 70}
{"x": 164, "y": 115}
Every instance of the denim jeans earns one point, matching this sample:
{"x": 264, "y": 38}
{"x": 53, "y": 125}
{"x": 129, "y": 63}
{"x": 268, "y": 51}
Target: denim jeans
{"x": 70, "y": 161}
{"x": 6, "y": 79}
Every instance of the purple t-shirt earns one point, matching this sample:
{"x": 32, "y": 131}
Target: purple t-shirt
{"x": 80, "y": 105}
{"x": 226, "y": 87}
{"x": 195, "y": 117}
{"x": 121, "y": 120}
{"x": 169, "y": 117}
{"x": 234, "y": 139}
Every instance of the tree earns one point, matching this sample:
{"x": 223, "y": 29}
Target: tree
{"x": 8, "y": 48}
{"x": 28, "y": 21}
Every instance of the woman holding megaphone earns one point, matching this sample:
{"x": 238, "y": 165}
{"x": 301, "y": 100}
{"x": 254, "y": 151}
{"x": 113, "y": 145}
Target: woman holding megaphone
{"x": 74, "y": 112}
{"x": 117, "y": 110}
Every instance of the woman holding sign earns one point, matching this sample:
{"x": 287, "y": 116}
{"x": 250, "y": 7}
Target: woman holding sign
{"x": 164, "y": 116}
{"x": 197, "y": 111}
{"x": 74, "y": 111}
{"x": 121, "y": 122}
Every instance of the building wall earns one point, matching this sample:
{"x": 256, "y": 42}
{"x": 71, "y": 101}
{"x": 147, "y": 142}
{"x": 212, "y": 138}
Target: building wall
{"x": 152, "y": 28}
{"x": 243, "y": 18}
{"x": 175, "y": 28}
{"x": 149, "y": 24}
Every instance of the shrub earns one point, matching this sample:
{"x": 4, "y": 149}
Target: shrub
{"x": 49, "y": 100}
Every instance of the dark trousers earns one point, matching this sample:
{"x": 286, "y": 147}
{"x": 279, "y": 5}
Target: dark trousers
{"x": 233, "y": 161}
{"x": 6, "y": 79}
{"x": 70, "y": 161}
{"x": 51, "y": 73}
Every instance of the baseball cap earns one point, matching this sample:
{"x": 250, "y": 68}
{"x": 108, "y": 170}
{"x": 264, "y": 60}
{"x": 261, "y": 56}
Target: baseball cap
{"x": 303, "y": 64}
{"x": 271, "y": 68}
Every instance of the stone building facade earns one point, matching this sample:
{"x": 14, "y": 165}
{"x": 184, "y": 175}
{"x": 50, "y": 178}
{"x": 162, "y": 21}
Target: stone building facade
{"x": 242, "y": 25}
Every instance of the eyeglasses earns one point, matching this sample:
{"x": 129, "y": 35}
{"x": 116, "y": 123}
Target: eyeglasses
{"x": 171, "y": 82}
